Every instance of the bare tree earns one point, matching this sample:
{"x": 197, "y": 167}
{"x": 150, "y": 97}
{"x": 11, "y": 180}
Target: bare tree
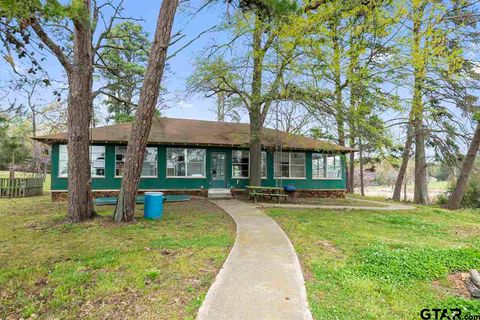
{"x": 290, "y": 117}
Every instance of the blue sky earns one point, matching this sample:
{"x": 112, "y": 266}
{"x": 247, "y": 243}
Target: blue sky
{"x": 182, "y": 65}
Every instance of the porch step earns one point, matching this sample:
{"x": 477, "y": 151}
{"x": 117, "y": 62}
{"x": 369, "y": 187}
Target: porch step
{"x": 219, "y": 193}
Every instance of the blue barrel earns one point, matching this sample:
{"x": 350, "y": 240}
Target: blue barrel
{"x": 153, "y": 205}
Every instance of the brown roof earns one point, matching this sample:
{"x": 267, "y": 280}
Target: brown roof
{"x": 204, "y": 133}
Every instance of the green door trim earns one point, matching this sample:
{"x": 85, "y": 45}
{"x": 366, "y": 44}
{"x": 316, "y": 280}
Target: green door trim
{"x": 218, "y": 169}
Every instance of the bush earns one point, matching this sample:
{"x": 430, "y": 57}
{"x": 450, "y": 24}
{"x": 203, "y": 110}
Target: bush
{"x": 442, "y": 199}
{"x": 471, "y": 196}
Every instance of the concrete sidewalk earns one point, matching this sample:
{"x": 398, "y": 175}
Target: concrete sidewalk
{"x": 261, "y": 278}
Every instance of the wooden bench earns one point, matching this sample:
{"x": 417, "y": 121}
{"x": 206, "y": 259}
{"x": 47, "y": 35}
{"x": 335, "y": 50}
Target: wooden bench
{"x": 266, "y": 192}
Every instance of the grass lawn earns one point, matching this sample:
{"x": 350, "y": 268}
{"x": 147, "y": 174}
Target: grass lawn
{"x": 338, "y": 202}
{"x": 383, "y": 265}
{"x": 350, "y": 201}
{"x": 103, "y": 270}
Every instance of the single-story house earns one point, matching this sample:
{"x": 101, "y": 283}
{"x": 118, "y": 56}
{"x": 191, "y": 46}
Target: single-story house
{"x": 192, "y": 156}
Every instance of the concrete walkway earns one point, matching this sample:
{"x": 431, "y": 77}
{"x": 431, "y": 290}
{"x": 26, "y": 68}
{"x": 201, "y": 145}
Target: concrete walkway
{"x": 261, "y": 278}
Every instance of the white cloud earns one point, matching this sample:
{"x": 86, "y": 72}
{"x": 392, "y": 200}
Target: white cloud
{"x": 184, "y": 104}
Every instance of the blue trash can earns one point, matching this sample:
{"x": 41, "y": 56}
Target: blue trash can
{"x": 153, "y": 205}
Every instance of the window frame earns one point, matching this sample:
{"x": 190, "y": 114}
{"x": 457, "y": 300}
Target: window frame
{"x": 186, "y": 164}
{"x": 248, "y": 177}
{"x": 65, "y": 176}
{"x": 238, "y": 163}
{"x": 156, "y": 165}
{"x": 104, "y": 162}
{"x": 289, "y": 166}
{"x": 59, "y": 175}
{"x": 325, "y": 166}
{"x": 115, "y": 162}
{"x": 142, "y": 177}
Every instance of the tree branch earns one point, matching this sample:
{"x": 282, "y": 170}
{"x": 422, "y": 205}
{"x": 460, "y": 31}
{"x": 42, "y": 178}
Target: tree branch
{"x": 56, "y": 50}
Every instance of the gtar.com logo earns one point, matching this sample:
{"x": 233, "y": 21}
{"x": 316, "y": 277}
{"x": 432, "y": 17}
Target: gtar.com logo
{"x": 441, "y": 314}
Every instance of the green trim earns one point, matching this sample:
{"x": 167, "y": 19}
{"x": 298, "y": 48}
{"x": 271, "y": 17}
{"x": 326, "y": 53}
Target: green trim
{"x": 110, "y": 182}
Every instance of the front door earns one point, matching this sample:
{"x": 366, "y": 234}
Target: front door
{"x": 217, "y": 170}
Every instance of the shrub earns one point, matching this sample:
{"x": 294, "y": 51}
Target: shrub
{"x": 442, "y": 199}
{"x": 471, "y": 196}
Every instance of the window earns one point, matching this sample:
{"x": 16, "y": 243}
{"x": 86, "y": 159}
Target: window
{"x": 334, "y": 167}
{"x": 326, "y": 166}
{"x": 120, "y": 152}
{"x": 264, "y": 164}
{"x": 241, "y": 164}
{"x": 97, "y": 161}
{"x": 62, "y": 160}
{"x": 318, "y": 166}
{"x": 290, "y": 165}
{"x": 185, "y": 162}
{"x": 149, "y": 168}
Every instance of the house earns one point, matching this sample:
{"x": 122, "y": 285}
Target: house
{"x": 192, "y": 156}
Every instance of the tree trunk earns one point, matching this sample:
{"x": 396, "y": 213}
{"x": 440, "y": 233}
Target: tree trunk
{"x": 403, "y": 167}
{"x": 420, "y": 188}
{"x": 418, "y": 56}
{"x": 79, "y": 110}
{"x": 354, "y": 97}
{"x": 255, "y": 149}
{"x": 351, "y": 179}
{"x": 339, "y": 112}
{"x": 339, "y": 115}
{"x": 80, "y": 204}
{"x": 362, "y": 182}
{"x": 457, "y": 195}
{"x": 36, "y": 145}
{"x": 255, "y": 110}
{"x": 338, "y": 93}
{"x": 137, "y": 144}
{"x": 221, "y": 106}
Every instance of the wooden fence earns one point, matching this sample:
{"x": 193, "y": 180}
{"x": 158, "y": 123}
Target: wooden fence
{"x": 21, "y": 187}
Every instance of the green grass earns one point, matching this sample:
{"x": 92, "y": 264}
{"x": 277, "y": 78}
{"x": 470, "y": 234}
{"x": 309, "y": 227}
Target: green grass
{"x": 100, "y": 269}
{"x": 349, "y": 201}
{"x": 383, "y": 265}
{"x": 338, "y": 202}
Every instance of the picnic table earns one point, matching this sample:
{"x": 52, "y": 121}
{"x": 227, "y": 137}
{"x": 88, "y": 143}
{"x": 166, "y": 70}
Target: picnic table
{"x": 266, "y": 192}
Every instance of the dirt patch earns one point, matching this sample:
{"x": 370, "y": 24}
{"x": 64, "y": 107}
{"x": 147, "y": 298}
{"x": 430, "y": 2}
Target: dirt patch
{"x": 118, "y": 306}
{"x": 327, "y": 245}
{"x": 466, "y": 231}
{"x": 307, "y": 274}
{"x": 457, "y": 284}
